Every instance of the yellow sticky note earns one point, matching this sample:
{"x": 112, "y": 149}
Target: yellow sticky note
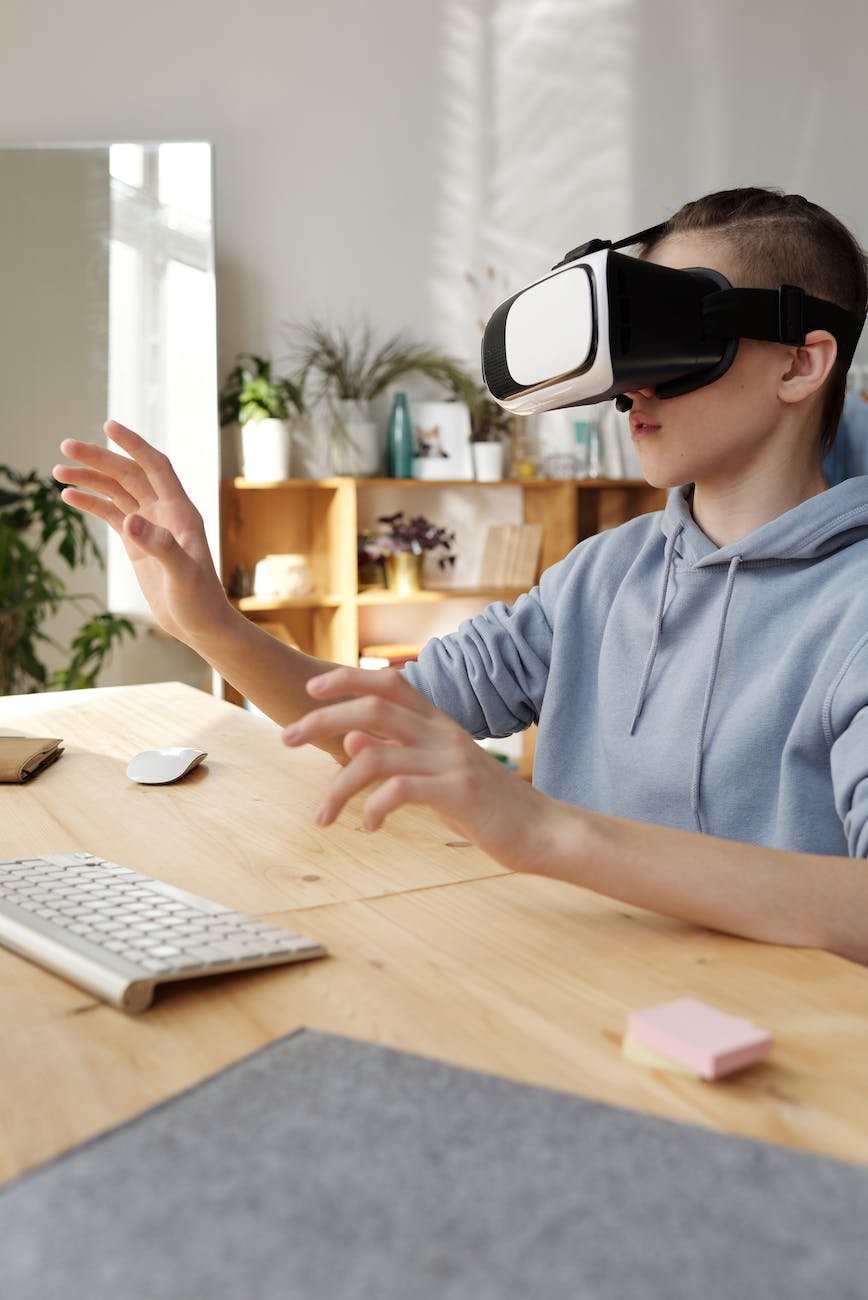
{"x": 639, "y": 1054}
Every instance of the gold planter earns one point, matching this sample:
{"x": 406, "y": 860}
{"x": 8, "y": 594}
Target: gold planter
{"x": 404, "y": 573}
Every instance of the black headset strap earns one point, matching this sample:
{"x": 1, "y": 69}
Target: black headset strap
{"x": 597, "y": 245}
{"x": 643, "y": 236}
{"x": 782, "y": 315}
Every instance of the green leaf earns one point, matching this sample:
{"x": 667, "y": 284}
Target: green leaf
{"x": 251, "y": 384}
{"x": 38, "y": 530}
{"x": 67, "y": 550}
{"x": 91, "y": 646}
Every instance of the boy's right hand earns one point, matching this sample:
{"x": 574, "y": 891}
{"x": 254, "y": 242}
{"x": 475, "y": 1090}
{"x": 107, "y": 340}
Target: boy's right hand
{"x": 140, "y": 496}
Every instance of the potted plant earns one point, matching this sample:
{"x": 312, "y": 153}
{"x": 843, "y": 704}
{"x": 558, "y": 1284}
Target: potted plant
{"x": 37, "y": 525}
{"x": 262, "y": 404}
{"x": 400, "y": 546}
{"x": 346, "y": 368}
{"x": 490, "y": 429}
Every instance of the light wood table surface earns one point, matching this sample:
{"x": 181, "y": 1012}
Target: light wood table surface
{"x": 434, "y": 948}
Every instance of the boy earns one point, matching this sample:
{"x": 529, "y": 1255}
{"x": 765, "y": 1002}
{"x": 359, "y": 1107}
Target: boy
{"x": 699, "y": 677}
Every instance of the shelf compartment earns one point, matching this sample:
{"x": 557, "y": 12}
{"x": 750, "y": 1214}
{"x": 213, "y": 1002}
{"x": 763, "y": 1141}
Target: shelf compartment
{"x": 550, "y": 484}
{"x": 270, "y": 604}
{"x": 252, "y": 485}
{"x": 320, "y": 518}
{"x": 287, "y": 484}
{"x": 427, "y": 595}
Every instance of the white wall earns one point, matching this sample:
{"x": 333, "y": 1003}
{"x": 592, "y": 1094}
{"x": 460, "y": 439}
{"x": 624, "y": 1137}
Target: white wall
{"x": 371, "y": 152}
{"x": 322, "y": 114}
{"x": 367, "y": 151}
{"x": 765, "y": 93}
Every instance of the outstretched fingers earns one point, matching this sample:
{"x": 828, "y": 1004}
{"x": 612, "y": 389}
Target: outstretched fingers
{"x": 396, "y": 740}
{"x": 378, "y": 763}
{"x": 382, "y": 683}
{"x": 128, "y": 476}
{"x": 144, "y": 473}
{"x": 156, "y": 466}
{"x": 379, "y": 703}
{"x": 94, "y": 481}
{"x": 409, "y": 788}
{"x": 369, "y": 713}
{"x": 356, "y": 741}
{"x": 97, "y": 506}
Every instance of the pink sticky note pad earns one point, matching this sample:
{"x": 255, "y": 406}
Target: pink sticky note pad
{"x": 707, "y": 1040}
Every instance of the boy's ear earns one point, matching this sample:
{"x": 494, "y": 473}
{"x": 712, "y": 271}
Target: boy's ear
{"x": 809, "y": 366}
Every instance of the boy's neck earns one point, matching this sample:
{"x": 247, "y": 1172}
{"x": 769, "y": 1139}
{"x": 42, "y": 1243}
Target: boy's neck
{"x": 732, "y": 507}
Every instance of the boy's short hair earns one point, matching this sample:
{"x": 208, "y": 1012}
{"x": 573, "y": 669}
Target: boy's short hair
{"x": 777, "y": 239}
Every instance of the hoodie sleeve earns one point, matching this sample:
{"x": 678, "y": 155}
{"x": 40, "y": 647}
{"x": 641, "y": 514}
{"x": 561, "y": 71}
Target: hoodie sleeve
{"x": 847, "y": 716}
{"x": 491, "y": 674}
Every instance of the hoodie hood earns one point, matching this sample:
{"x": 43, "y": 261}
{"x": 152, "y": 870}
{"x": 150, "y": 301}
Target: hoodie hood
{"x": 812, "y": 530}
{"x": 818, "y": 527}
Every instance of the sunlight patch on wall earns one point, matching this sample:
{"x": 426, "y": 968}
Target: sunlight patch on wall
{"x": 536, "y": 147}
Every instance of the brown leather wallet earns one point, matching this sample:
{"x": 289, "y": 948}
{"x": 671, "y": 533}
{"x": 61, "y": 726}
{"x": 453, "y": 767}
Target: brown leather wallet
{"x": 23, "y": 757}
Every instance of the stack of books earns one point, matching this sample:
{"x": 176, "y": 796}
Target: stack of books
{"x": 511, "y": 555}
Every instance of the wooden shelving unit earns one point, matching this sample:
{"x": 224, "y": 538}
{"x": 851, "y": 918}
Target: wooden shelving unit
{"x": 320, "y": 518}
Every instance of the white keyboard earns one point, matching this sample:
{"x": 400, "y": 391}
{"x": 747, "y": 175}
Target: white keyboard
{"x": 117, "y": 933}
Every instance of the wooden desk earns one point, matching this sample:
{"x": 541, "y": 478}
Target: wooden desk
{"x": 434, "y": 948}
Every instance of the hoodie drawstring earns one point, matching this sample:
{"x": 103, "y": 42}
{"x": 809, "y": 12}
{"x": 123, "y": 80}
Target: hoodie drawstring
{"x": 709, "y": 691}
{"x": 658, "y": 624}
{"x": 712, "y": 671}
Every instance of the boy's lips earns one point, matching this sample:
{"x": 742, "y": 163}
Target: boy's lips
{"x": 641, "y": 424}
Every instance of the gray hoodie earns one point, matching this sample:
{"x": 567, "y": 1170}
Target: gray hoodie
{"x": 721, "y": 689}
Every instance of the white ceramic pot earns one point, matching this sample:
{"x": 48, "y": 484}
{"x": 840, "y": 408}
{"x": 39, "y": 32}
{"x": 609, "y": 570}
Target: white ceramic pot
{"x": 356, "y": 448}
{"x": 487, "y": 461}
{"x": 265, "y": 450}
{"x": 286, "y": 576}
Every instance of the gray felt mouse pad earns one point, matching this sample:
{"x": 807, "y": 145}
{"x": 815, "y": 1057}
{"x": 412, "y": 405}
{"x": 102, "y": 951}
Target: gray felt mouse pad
{"x": 333, "y": 1170}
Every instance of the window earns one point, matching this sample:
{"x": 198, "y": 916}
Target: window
{"x": 162, "y": 377}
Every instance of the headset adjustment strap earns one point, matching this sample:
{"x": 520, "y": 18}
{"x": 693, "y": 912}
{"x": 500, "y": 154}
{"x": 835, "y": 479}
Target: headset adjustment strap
{"x": 597, "y": 245}
{"x": 783, "y": 315}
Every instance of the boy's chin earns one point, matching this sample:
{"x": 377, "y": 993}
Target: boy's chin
{"x": 659, "y": 478}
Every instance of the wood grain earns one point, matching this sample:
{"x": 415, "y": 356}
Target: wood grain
{"x": 433, "y": 948}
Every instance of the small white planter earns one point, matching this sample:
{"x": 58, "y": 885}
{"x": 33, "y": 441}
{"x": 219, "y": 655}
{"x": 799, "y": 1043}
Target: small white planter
{"x": 265, "y": 450}
{"x": 356, "y": 448}
{"x": 487, "y": 461}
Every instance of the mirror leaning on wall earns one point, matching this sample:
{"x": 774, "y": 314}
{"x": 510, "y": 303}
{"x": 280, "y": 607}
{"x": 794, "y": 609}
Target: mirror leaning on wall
{"x": 107, "y": 264}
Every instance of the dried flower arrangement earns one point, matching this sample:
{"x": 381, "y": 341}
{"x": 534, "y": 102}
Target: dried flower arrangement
{"x": 400, "y": 535}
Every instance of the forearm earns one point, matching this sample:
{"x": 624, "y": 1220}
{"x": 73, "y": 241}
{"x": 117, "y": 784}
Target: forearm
{"x": 800, "y": 899}
{"x": 773, "y": 895}
{"x": 264, "y": 670}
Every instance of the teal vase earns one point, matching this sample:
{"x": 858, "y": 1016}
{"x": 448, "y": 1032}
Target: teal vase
{"x": 400, "y": 439}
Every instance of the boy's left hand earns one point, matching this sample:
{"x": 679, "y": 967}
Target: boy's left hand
{"x": 397, "y": 740}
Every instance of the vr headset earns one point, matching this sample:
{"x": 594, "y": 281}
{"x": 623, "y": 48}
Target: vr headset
{"x": 602, "y": 324}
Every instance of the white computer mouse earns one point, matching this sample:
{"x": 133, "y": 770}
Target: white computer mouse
{"x": 162, "y": 766}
